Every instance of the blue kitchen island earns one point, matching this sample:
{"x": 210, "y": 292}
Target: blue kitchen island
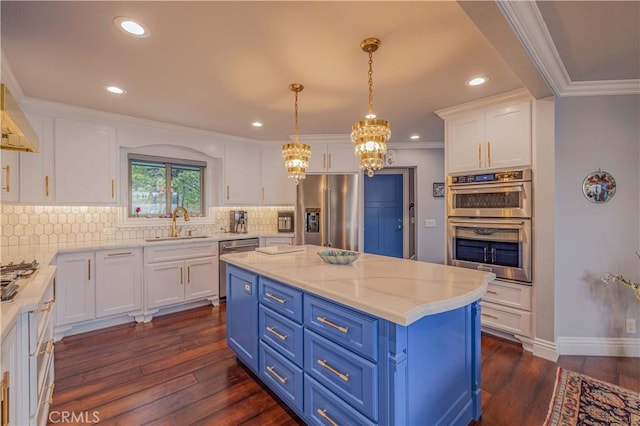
{"x": 382, "y": 341}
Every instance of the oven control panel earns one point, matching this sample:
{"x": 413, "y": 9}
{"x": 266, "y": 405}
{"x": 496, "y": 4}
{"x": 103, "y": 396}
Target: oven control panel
{"x": 521, "y": 175}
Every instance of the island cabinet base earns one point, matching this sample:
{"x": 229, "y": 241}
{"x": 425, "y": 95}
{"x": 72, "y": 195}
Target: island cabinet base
{"x": 336, "y": 365}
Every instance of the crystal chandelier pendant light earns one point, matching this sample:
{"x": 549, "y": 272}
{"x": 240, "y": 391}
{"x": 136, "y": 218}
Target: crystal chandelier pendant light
{"x": 296, "y": 155}
{"x": 370, "y": 136}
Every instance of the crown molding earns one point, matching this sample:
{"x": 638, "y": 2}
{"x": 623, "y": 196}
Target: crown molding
{"x": 514, "y": 95}
{"x": 525, "y": 19}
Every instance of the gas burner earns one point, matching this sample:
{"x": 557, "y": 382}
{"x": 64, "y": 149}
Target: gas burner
{"x": 10, "y": 274}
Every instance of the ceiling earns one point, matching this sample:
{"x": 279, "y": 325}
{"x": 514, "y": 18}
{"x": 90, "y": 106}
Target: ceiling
{"x": 221, "y": 65}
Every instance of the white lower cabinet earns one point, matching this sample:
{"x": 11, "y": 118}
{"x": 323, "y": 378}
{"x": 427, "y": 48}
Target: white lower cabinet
{"x": 176, "y": 274}
{"x": 506, "y": 307}
{"x": 96, "y": 285}
{"x": 118, "y": 281}
{"x": 9, "y": 378}
{"x": 27, "y": 364}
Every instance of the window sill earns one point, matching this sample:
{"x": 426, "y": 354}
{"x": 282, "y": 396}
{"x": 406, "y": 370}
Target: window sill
{"x": 145, "y": 222}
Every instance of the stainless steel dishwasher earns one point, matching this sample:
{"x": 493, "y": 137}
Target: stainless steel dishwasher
{"x": 233, "y": 246}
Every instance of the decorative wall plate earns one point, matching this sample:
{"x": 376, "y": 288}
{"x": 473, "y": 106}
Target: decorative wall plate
{"x": 599, "y": 187}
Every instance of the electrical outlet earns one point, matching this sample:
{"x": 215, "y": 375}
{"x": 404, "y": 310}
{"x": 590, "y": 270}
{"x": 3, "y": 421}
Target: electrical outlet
{"x": 631, "y": 326}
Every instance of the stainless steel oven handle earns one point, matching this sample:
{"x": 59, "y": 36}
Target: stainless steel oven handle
{"x": 519, "y": 187}
{"x": 482, "y": 223}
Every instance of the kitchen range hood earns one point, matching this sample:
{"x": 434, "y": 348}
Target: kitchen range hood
{"x": 17, "y": 134}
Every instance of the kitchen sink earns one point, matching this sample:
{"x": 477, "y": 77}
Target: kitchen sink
{"x": 186, "y": 237}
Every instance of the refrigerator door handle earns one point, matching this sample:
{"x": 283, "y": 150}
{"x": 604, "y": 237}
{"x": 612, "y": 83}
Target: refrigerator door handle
{"x": 327, "y": 219}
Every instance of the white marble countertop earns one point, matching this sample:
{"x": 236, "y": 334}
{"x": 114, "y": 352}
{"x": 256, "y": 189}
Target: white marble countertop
{"x": 32, "y": 289}
{"x": 398, "y": 290}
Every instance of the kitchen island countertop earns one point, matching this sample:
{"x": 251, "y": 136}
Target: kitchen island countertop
{"x": 398, "y": 290}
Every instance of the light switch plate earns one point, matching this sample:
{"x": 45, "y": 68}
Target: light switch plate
{"x": 429, "y": 223}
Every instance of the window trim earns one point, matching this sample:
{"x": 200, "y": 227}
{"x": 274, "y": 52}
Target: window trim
{"x": 169, "y": 163}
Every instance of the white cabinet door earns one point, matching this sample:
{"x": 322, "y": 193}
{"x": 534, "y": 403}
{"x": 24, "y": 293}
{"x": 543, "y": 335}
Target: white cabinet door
{"x": 490, "y": 139}
{"x": 332, "y": 158}
{"x": 75, "y": 287}
{"x": 277, "y": 188}
{"x": 242, "y": 165}
{"x": 201, "y": 277}
{"x": 165, "y": 283}
{"x": 36, "y": 169}
{"x": 508, "y": 136}
{"x": 465, "y": 140}
{"x": 10, "y": 174}
{"x": 85, "y": 162}
{"x": 118, "y": 281}
{"x": 9, "y": 375}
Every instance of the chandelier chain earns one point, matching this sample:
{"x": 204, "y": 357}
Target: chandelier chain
{"x": 296, "y": 119}
{"x": 370, "y": 82}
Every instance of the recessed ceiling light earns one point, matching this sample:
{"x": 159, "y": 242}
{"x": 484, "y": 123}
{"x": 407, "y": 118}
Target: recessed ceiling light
{"x": 256, "y": 124}
{"x": 115, "y": 89}
{"x": 477, "y": 81}
{"x": 132, "y": 27}
{"x": 414, "y": 137}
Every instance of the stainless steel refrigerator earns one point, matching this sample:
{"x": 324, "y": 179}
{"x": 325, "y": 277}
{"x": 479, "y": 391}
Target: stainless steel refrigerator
{"x": 327, "y": 211}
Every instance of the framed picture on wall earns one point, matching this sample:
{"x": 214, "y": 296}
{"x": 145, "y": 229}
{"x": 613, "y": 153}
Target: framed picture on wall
{"x": 438, "y": 189}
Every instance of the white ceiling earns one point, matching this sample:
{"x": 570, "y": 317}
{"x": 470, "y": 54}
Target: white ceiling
{"x": 221, "y": 65}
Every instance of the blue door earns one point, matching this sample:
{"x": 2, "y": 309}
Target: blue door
{"x": 383, "y": 233}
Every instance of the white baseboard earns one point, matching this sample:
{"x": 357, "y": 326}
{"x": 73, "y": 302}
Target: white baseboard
{"x": 599, "y": 346}
{"x": 545, "y": 349}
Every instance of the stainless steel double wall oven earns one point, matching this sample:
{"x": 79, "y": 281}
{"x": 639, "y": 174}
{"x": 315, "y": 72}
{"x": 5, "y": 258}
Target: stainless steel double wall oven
{"x": 489, "y": 223}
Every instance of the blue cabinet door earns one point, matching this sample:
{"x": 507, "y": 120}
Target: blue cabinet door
{"x": 242, "y": 315}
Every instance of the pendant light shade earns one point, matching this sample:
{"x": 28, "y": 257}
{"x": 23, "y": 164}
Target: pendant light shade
{"x": 296, "y": 155}
{"x": 370, "y": 136}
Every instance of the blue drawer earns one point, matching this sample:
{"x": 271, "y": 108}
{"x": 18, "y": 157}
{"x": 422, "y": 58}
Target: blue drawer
{"x": 352, "y": 378}
{"x": 283, "y": 334}
{"x": 281, "y": 298}
{"x": 354, "y": 330}
{"x": 323, "y": 408}
{"x": 282, "y": 376}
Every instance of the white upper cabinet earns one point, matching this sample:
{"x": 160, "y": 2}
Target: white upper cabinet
{"x": 495, "y": 134}
{"x": 36, "y": 169}
{"x": 332, "y": 158}
{"x": 85, "y": 162}
{"x": 242, "y": 164}
{"x": 10, "y": 176}
{"x": 277, "y": 188}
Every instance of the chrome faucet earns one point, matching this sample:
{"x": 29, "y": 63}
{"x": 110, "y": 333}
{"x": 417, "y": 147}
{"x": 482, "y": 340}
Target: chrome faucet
{"x": 175, "y": 231}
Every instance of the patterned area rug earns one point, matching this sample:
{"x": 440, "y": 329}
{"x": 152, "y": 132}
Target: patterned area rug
{"x": 583, "y": 400}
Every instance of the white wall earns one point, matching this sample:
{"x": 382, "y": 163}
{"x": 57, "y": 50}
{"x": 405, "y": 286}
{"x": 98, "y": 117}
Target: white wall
{"x": 429, "y": 165}
{"x": 591, "y": 239}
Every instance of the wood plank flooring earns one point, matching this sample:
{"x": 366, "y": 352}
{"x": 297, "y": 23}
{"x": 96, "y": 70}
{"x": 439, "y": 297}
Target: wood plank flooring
{"x": 178, "y": 370}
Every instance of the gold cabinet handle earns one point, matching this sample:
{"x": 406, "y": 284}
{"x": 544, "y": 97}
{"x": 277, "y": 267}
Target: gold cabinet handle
{"x": 329, "y": 167}
{"x": 263, "y": 193}
{"x": 272, "y": 370}
{"x": 275, "y": 333}
{"x": 330, "y": 324}
{"x": 324, "y": 415}
{"x": 489, "y": 315}
{"x": 122, "y": 253}
{"x": 188, "y": 274}
{"x": 489, "y": 153}
{"x": 479, "y": 156}
{"x": 324, "y": 161}
{"x": 113, "y": 188}
{"x": 89, "y": 269}
{"x": 181, "y": 277}
{"x": 492, "y": 291}
{"x": 48, "y": 349}
{"x": 7, "y": 179}
{"x": 4, "y": 394}
{"x": 277, "y": 299}
{"x": 49, "y": 400}
{"x": 227, "y": 192}
{"x": 46, "y": 186}
{"x": 323, "y": 363}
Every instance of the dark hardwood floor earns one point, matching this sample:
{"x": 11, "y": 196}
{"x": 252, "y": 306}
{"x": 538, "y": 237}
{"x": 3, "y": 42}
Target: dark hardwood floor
{"x": 178, "y": 370}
